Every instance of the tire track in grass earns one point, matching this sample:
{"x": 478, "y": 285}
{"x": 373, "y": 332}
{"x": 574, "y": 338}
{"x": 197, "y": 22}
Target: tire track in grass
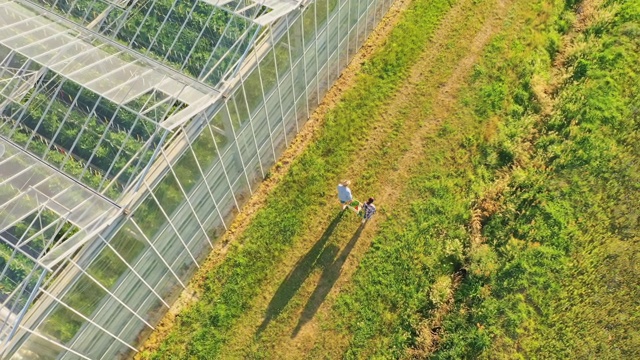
{"x": 329, "y": 277}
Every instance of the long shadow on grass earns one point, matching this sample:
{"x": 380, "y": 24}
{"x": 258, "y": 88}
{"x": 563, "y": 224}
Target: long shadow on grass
{"x": 329, "y": 276}
{"x": 299, "y": 274}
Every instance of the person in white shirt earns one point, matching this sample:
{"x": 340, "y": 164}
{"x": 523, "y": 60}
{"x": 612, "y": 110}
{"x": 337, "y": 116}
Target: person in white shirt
{"x": 344, "y": 193}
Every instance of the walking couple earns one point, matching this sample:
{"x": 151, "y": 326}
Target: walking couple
{"x": 346, "y": 198}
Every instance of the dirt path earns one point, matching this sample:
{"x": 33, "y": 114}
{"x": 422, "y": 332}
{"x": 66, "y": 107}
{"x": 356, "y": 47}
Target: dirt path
{"x": 285, "y": 323}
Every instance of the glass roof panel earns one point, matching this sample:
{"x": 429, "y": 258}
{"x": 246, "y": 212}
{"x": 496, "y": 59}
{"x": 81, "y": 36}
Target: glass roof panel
{"x": 189, "y": 36}
{"x": 28, "y": 186}
{"x": 36, "y": 184}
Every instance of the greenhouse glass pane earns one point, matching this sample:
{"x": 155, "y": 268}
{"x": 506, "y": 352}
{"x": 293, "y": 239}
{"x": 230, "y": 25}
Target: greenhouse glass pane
{"x": 232, "y": 163}
{"x": 295, "y": 38}
{"x": 129, "y": 243}
{"x": 202, "y": 201}
{"x": 152, "y": 309}
{"x": 301, "y": 111}
{"x": 310, "y": 63}
{"x": 218, "y": 184}
{"x": 268, "y": 73}
{"x": 37, "y": 346}
{"x": 152, "y": 268}
{"x": 205, "y": 149}
{"x": 323, "y": 80}
{"x": 261, "y": 127}
{"x": 286, "y": 91}
{"x": 241, "y": 105}
{"x": 333, "y": 31}
{"x": 299, "y": 82}
{"x": 187, "y": 171}
{"x": 149, "y": 217}
{"x": 322, "y": 48}
{"x": 186, "y": 224}
{"x": 132, "y": 291}
{"x": 61, "y": 324}
{"x": 112, "y": 317}
{"x": 169, "y": 288}
{"x": 184, "y": 266}
{"x": 246, "y": 144}
{"x": 214, "y": 226}
{"x": 266, "y": 156}
{"x": 322, "y": 15}
{"x": 168, "y": 194}
{"x": 312, "y": 93}
{"x": 275, "y": 117}
{"x": 253, "y": 89}
{"x": 169, "y": 245}
{"x": 290, "y": 125}
{"x": 107, "y": 268}
{"x": 84, "y": 296}
{"x": 309, "y": 24}
{"x": 90, "y": 342}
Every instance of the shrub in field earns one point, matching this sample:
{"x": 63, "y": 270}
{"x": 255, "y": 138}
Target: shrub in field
{"x": 483, "y": 261}
{"x": 440, "y": 291}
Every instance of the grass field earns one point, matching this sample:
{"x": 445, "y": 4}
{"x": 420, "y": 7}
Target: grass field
{"x": 500, "y": 139}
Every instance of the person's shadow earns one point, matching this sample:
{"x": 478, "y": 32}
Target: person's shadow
{"x": 317, "y": 255}
{"x": 330, "y": 275}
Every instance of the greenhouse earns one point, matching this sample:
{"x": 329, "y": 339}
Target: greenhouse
{"x": 131, "y": 134}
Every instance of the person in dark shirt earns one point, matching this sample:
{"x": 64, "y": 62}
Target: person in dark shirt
{"x": 368, "y": 209}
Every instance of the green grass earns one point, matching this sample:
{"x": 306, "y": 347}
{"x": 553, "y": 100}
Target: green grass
{"x": 556, "y": 275}
{"x": 508, "y": 305}
{"x": 228, "y": 290}
{"x": 564, "y": 244}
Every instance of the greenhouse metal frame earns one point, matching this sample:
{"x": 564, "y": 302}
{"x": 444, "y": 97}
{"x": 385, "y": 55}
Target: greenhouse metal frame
{"x": 131, "y": 134}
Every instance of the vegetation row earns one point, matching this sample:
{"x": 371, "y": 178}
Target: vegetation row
{"x": 75, "y": 121}
{"x": 190, "y": 36}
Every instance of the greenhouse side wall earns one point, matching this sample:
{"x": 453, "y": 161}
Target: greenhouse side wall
{"x": 126, "y": 279}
